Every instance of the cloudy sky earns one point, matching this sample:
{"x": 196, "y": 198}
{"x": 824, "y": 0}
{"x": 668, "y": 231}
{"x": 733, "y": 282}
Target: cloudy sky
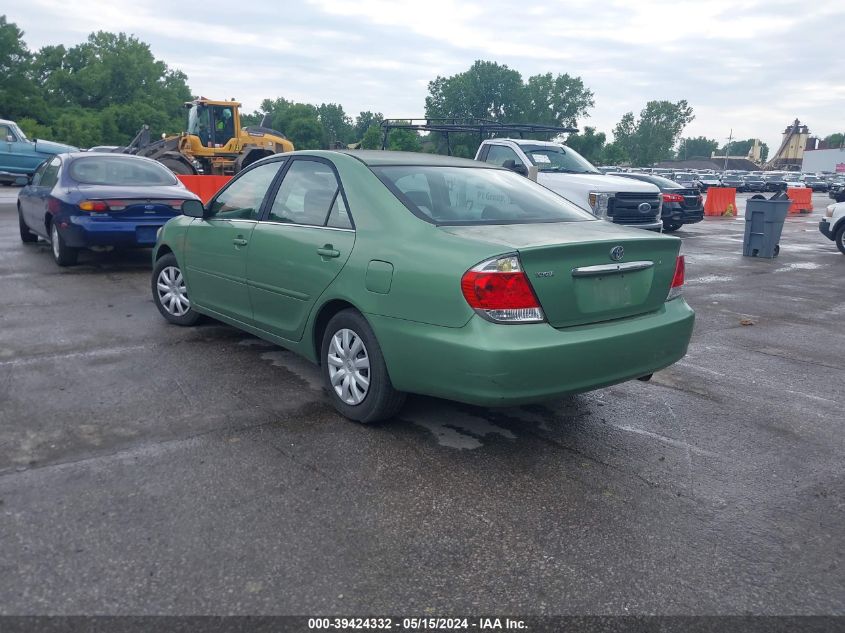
{"x": 750, "y": 65}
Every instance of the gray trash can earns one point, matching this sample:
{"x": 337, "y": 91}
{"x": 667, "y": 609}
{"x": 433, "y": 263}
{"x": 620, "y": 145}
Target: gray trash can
{"x": 763, "y": 225}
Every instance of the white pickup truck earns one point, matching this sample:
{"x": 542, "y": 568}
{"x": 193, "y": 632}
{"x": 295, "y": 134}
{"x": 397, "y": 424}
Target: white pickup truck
{"x": 567, "y": 173}
{"x": 832, "y": 225}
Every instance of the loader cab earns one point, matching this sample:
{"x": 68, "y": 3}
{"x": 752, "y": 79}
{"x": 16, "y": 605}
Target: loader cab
{"x": 214, "y": 123}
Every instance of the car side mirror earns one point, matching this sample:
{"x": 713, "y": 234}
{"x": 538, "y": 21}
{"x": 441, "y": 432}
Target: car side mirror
{"x": 10, "y": 138}
{"x": 193, "y": 209}
{"x": 520, "y": 169}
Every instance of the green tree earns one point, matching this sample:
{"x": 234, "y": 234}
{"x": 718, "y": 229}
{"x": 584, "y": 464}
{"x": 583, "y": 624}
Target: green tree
{"x": 364, "y": 121}
{"x": 741, "y": 148}
{"x": 612, "y": 154}
{"x": 486, "y": 91}
{"x": 588, "y": 143}
{"x": 835, "y": 140}
{"x": 372, "y": 138}
{"x": 556, "y": 100}
{"x": 19, "y": 94}
{"x": 300, "y": 122}
{"x": 336, "y": 124}
{"x": 698, "y": 147}
{"x": 651, "y": 137}
{"x": 624, "y": 136}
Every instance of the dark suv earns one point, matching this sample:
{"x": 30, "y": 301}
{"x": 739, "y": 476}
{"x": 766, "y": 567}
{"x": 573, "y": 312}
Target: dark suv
{"x": 753, "y": 183}
{"x": 681, "y": 205}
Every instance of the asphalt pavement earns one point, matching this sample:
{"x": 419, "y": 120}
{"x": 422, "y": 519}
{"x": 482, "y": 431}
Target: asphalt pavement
{"x": 152, "y": 469}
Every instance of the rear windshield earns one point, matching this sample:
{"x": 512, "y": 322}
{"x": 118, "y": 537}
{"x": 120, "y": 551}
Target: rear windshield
{"x": 112, "y": 170}
{"x": 685, "y": 176}
{"x": 464, "y": 195}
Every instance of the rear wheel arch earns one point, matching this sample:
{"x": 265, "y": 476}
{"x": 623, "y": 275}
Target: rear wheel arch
{"x": 321, "y": 321}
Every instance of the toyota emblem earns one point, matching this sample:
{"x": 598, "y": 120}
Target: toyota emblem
{"x": 617, "y": 253}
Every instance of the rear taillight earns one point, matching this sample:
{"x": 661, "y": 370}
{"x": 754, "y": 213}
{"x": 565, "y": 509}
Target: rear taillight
{"x": 499, "y": 291}
{"x": 672, "y": 197}
{"x": 97, "y": 206}
{"x": 677, "y": 288}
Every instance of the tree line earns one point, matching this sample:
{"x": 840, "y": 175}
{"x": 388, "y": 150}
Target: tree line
{"x": 101, "y": 92}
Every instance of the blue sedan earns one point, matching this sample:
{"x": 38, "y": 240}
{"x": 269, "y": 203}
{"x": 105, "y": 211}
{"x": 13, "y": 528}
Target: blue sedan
{"x": 98, "y": 201}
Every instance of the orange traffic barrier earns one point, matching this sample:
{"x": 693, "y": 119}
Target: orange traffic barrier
{"x": 204, "y": 186}
{"x": 802, "y": 200}
{"x": 720, "y": 201}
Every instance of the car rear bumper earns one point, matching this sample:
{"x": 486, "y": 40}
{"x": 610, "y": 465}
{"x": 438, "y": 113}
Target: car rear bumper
{"x": 85, "y": 231}
{"x": 488, "y": 364}
{"x": 676, "y": 214}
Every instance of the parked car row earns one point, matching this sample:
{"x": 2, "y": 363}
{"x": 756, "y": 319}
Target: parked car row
{"x": 745, "y": 181}
{"x": 377, "y": 266}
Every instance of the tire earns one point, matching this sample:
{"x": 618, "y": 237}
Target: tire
{"x": 177, "y": 167}
{"x": 63, "y": 254}
{"x": 170, "y": 294}
{"x": 669, "y": 227}
{"x": 839, "y": 238}
{"x": 350, "y": 344}
{"x": 27, "y": 236}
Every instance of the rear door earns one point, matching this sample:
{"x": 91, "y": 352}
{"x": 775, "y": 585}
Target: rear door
{"x": 216, "y": 247}
{"x": 299, "y": 246}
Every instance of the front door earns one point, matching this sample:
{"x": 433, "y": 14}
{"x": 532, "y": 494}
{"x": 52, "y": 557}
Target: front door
{"x": 299, "y": 247}
{"x": 34, "y": 198}
{"x": 216, "y": 247}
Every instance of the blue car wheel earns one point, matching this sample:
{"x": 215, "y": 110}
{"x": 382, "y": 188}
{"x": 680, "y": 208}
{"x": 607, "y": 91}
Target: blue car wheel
{"x": 62, "y": 253}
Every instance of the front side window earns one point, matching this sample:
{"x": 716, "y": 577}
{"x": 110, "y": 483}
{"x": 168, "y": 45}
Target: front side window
{"x": 466, "y": 195}
{"x": 242, "y": 199}
{"x": 500, "y": 154}
{"x": 306, "y": 194}
{"x": 6, "y": 134}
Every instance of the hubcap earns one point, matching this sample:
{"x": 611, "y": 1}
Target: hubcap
{"x": 349, "y": 366}
{"x": 172, "y": 293}
{"x": 54, "y": 239}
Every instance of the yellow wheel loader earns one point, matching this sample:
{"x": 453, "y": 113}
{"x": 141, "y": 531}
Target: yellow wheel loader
{"x": 214, "y": 142}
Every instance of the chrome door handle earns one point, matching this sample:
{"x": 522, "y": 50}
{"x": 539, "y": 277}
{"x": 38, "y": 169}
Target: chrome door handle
{"x": 328, "y": 251}
{"x": 239, "y": 241}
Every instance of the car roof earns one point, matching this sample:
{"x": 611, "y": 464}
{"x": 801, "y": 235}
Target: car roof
{"x": 75, "y": 155}
{"x": 380, "y": 158}
{"x": 7, "y": 122}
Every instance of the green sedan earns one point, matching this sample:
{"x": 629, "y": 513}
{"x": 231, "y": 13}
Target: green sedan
{"x": 411, "y": 273}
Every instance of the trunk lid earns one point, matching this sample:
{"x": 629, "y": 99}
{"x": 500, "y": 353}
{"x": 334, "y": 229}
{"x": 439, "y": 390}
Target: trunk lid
{"x": 574, "y": 275}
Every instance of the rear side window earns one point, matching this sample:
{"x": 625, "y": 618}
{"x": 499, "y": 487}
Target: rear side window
{"x": 465, "y": 195}
{"x": 51, "y": 174}
{"x": 112, "y": 170}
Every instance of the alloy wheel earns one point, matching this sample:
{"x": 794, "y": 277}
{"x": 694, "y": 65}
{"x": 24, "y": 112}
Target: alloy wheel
{"x": 349, "y": 366}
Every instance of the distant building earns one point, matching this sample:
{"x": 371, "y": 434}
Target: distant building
{"x": 829, "y": 160}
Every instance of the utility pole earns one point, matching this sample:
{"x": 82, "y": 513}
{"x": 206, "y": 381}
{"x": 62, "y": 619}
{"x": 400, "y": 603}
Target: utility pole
{"x": 727, "y": 147}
